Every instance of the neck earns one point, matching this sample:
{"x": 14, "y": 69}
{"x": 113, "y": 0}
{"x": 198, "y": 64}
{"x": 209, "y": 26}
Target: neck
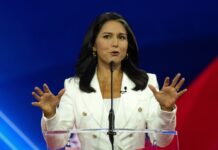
{"x": 104, "y": 78}
{"x": 104, "y": 72}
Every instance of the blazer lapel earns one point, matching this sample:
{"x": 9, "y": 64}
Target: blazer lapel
{"x": 95, "y": 105}
{"x": 128, "y": 103}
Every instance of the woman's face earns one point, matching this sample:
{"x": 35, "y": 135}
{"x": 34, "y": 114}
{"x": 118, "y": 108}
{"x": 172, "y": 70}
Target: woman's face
{"x": 111, "y": 43}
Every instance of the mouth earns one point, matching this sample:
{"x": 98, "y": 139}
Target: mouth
{"x": 114, "y": 53}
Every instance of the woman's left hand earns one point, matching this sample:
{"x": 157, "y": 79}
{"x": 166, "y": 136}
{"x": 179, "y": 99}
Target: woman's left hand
{"x": 169, "y": 93}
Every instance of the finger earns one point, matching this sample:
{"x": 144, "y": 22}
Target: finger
{"x": 60, "y": 93}
{"x": 175, "y": 80}
{"x": 36, "y": 96}
{"x": 166, "y": 82}
{"x": 182, "y": 92}
{"x": 38, "y": 91}
{"x": 152, "y": 88}
{"x": 37, "y": 104}
{"x": 179, "y": 85}
{"x": 46, "y": 88}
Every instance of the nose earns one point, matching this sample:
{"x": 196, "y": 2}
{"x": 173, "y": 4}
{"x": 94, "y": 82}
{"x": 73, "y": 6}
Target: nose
{"x": 115, "y": 42}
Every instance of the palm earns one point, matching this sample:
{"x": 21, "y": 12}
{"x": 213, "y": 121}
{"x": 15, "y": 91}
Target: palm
{"x": 47, "y": 101}
{"x": 167, "y": 96}
{"x": 169, "y": 93}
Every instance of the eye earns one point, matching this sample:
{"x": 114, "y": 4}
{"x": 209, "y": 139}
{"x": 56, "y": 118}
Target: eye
{"x": 107, "y": 36}
{"x": 122, "y": 37}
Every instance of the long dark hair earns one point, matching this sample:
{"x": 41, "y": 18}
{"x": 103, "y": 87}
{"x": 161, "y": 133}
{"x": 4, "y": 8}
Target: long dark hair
{"x": 86, "y": 64}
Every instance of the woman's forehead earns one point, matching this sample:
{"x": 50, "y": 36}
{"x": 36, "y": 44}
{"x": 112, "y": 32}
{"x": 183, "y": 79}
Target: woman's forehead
{"x": 113, "y": 26}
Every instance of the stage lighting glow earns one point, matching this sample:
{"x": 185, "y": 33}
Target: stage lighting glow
{"x": 12, "y": 136}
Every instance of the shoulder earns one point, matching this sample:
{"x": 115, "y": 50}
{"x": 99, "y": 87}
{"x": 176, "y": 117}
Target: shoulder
{"x": 152, "y": 77}
{"x": 71, "y": 83}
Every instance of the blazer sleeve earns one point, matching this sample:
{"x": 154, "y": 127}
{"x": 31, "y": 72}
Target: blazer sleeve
{"x": 158, "y": 119}
{"x": 63, "y": 119}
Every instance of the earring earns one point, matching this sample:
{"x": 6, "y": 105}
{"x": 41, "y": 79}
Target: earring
{"x": 127, "y": 56}
{"x": 94, "y": 53}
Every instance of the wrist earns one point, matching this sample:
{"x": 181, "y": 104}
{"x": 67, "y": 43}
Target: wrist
{"x": 49, "y": 115}
{"x": 164, "y": 108}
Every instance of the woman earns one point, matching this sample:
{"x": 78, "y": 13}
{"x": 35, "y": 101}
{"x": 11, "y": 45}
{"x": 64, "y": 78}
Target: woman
{"x": 85, "y": 103}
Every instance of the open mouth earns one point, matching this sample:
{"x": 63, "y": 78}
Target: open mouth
{"x": 114, "y": 53}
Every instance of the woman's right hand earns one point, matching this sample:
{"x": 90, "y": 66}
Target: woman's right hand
{"x": 46, "y": 100}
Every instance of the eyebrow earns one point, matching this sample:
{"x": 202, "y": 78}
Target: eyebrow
{"x": 112, "y": 33}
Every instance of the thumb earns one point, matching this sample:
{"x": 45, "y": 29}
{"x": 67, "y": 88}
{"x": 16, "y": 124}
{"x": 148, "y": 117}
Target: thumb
{"x": 152, "y": 88}
{"x": 60, "y": 93}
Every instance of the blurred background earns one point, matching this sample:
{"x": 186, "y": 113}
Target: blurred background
{"x": 40, "y": 41}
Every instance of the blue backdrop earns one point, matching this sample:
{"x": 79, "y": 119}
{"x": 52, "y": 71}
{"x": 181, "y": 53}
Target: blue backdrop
{"x": 40, "y": 41}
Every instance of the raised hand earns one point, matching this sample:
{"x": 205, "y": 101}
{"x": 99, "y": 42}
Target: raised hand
{"x": 169, "y": 93}
{"x": 46, "y": 100}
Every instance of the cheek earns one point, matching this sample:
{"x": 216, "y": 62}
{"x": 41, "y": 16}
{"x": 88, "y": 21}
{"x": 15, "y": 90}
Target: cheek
{"x": 124, "y": 48}
{"x": 123, "y": 53}
{"x": 101, "y": 44}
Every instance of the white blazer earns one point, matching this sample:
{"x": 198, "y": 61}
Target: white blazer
{"x": 137, "y": 110}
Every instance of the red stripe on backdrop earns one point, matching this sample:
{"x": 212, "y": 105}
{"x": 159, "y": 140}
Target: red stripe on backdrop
{"x": 197, "y": 117}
